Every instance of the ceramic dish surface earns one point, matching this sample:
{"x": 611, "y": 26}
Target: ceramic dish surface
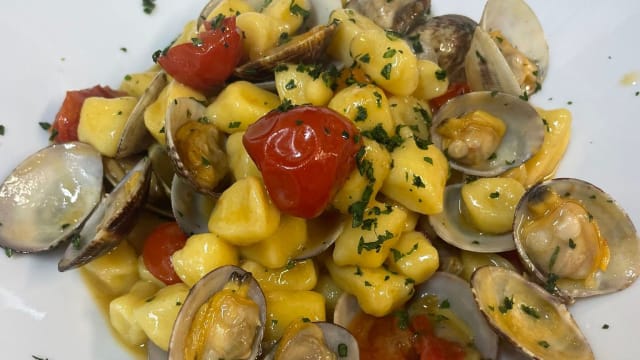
{"x": 54, "y": 46}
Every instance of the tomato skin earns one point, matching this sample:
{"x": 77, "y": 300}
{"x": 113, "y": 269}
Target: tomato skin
{"x": 454, "y": 90}
{"x": 431, "y": 347}
{"x": 163, "y": 241}
{"x": 305, "y": 154}
{"x": 65, "y": 124}
{"x": 209, "y": 63}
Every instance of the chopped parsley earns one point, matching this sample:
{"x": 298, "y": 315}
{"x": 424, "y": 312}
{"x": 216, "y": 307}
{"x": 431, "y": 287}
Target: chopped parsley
{"x": 283, "y": 38}
{"x": 365, "y": 58}
{"x": 357, "y": 208}
{"x": 297, "y": 10}
{"x": 444, "y": 304}
{"x": 343, "y": 350}
{"x": 44, "y": 125}
{"x": 123, "y": 49}
{"x": 75, "y": 241}
{"x": 417, "y": 181}
{"x": 544, "y": 344}
{"x": 415, "y": 43}
{"x": 8, "y": 252}
{"x": 428, "y": 159}
{"x": 494, "y": 195}
{"x": 550, "y": 284}
{"x": 374, "y": 245}
{"x": 572, "y": 244}
{"x": 403, "y": 319}
{"x": 378, "y": 98}
{"x": 605, "y": 326}
{"x": 389, "y": 53}
{"x": 524, "y": 96}
{"x": 358, "y": 271}
{"x": 530, "y": 311}
{"x": 361, "y": 113}
{"x": 1, "y": 130}
{"x": 205, "y": 161}
{"x": 148, "y": 6}
{"x": 507, "y": 304}
{"x": 128, "y": 77}
{"x": 366, "y": 283}
{"x": 386, "y": 71}
{"x": 290, "y": 85}
{"x": 441, "y": 74}
{"x": 480, "y": 57}
{"x": 554, "y": 257}
{"x": 379, "y": 135}
{"x": 306, "y": 319}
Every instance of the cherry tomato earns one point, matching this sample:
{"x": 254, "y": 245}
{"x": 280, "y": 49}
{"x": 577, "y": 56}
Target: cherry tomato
{"x": 65, "y": 124}
{"x": 163, "y": 241}
{"x": 454, "y": 90}
{"x": 431, "y": 347}
{"x": 305, "y": 154}
{"x": 208, "y": 60}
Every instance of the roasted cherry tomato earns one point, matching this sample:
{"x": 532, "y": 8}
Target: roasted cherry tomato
{"x": 208, "y": 60}
{"x": 163, "y": 241}
{"x": 454, "y": 90}
{"x": 431, "y": 347}
{"x": 65, "y": 124}
{"x": 305, "y": 154}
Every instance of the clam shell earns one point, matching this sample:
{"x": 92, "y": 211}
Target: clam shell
{"x": 527, "y": 315}
{"x": 135, "y": 136}
{"x": 191, "y": 208}
{"x": 322, "y": 232}
{"x": 179, "y": 112}
{"x": 399, "y": 15}
{"x": 307, "y": 47}
{"x": 336, "y": 338}
{"x": 523, "y": 137}
{"x": 200, "y": 293}
{"x": 111, "y": 221}
{"x": 614, "y": 224}
{"x": 451, "y": 227}
{"x": 48, "y": 196}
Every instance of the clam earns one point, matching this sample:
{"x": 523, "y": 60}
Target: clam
{"x": 191, "y": 208}
{"x": 135, "y": 136}
{"x": 528, "y": 316}
{"x": 571, "y": 234}
{"x": 509, "y": 52}
{"x": 447, "y": 301}
{"x": 452, "y": 227}
{"x": 445, "y": 40}
{"x": 315, "y": 340}
{"x": 195, "y": 146}
{"x": 486, "y": 133}
{"x": 399, "y": 15}
{"x": 307, "y": 47}
{"x": 111, "y": 220}
{"x": 223, "y": 317}
{"x": 48, "y": 196}
{"x": 157, "y": 200}
{"x": 322, "y": 232}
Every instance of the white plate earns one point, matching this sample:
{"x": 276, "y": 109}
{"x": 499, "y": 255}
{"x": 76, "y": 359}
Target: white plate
{"x": 52, "y": 46}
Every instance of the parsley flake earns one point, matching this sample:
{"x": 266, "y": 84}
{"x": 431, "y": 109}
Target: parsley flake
{"x": 148, "y": 6}
{"x": 343, "y": 350}
{"x": 494, "y": 195}
{"x": 507, "y": 304}
{"x": 530, "y": 311}
{"x": 441, "y": 74}
{"x": 44, "y": 125}
{"x": 386, "y": 71}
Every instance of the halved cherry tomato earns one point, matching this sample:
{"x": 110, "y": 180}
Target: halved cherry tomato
{"x": 305, "y": 154}
{"x": 454, "y": 90}
{"x": 163, "y": 241}
{"x": 65, "y": 124}
{"x": 208, "y": 60}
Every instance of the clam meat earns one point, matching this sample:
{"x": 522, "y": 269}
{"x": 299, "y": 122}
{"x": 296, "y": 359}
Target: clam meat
{"x": 223, "y": 317}
{"x": 573, "y": 235}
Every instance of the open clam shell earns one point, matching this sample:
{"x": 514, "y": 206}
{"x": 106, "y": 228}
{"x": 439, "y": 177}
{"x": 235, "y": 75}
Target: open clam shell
{"x": 399, "y": 16}
{"x": 613, "y": 225}
{"x": 197, "y": 154}
{"x": 523, "y": 137}
{"x": 488, "y": 68}
{"x": 337, "y": 339}
{"x": 135, "y": 136}
{"x": 191, "y": 208}
{"x": 201, "y": 293}
{"x": 48, "y": 196}
{"x": 527, "y": 315}
{"x": 307, "y": 47}
{"x": 443, "y": 286}
{"x": 112, "y": 219}
{"x": 446, "y": 39}
{"x": 451, "y": 227}
{"x": 322, "y": 231}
